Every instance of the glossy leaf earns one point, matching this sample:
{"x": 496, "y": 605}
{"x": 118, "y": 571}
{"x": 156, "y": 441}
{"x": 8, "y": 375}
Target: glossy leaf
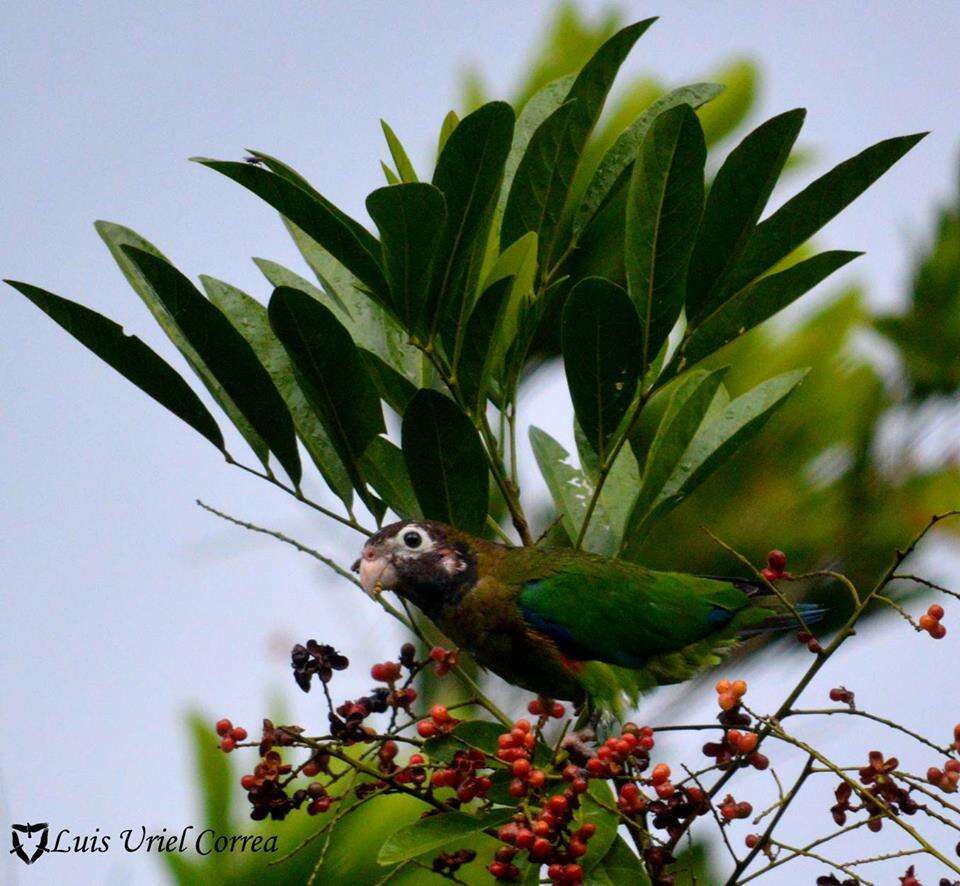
{"x": 446, "y": 462}
{"x": 601, "y": 356}
{"x": 804, "y": 214}
{"x": 622, "y": 484}
{"x": 541, "y": 183}
{"x": 712, "y": 445}
{"x": 597, "y": 803}
{"x": 314, "y": 215}
{"x": 410, "y": 218}
{"x": 250, "y": 319}
{"x": 227, "y": 355}
{"x": 663, "y": 213}
{"x": 751, "y": 306}
{"x": 685, "y": 414}
{"x": 116, "y": 237}
{"x": 621, "y": 865}
{"x": 384, "y": 468}
{"x": 134, "y": 360}
{"x": 401, "y": 160}
{"x": 331, "y": 374}
{"x": 469, "y": 171}
{"x": 436, "y": 831}
{"x": 738, "y": 195}
{"x": 619, "y": 158}
{"x": 571, "y": 491}
{"x": 589, "y": 93}
{"x": 395, "y": 389}
{"x": 477, "y": 342}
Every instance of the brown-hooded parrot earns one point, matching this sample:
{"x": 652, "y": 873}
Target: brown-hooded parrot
{"x": 565, "y": 623}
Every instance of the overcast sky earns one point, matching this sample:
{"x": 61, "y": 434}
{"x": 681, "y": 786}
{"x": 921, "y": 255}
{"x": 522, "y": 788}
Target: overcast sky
{"x": 123, "y": 604}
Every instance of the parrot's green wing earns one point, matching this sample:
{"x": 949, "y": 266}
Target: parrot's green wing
{"x": 619, "y": 613}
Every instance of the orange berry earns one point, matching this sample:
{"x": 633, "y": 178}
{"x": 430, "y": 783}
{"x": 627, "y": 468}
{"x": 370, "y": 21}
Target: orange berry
{"x": 739, "y": 688}
{"x": 927, "y": 621}
{"x": 727, "y": 700}
{"x": 722, "y": 686}
{"x": 935, "y": 611}
{"x": 661, "y": 772}
{"x": 747, "y": 742}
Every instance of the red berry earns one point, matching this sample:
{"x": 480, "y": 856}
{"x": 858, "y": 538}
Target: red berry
{"x": 596, "y": 767}
{"x": 751, "y": 840}
{"x": 522, "y": 725}
{"x": 557, "y": 711}
{"x": 587, "y": 830}
{"x": 439, "y": 713}
{"x": 748, "y": 741}
{"x": 777, "y": 560}
{"x": 248, "y": 782}
{"x": 517, "y": 788}
{"x": 521, "y": 768}
{"x": 426, "y": 728}
{"x": 535, "y": 708}
{"x": 758, "y": 761}
{"x": 935, "y": 611}
{"x": 579, "y": 786}
{"x": 577, "y": 848}
{"x": 927, "y": 621}
{"x": 661, "y": 772}
{"x": 227, "y": 744}
{"x": 952, "y": 766}
{"x": 558, "y": 805}
{"x": 573, "y": 873}
{"x": 555, "y": 872}
{"x": 540, "y": 848}
{"x": 541, "y": 827}
{"x": 525, "y": 838}
{"x": 726, "y": 700}
{"x": 536, "y": 778}
{"x": 934, "y": 775}
{"x": 238, "y": 733}
{"x": 224, "y": 726}
{"x": 728, "y": 811}
{"x": 665, "y": 790}
{"x": 497, "y": 869}
{"x": 770, "y": 575}
{"x": 938, "y": 631}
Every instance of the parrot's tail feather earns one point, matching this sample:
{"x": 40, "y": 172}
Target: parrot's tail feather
{"x": 811, "y": 613}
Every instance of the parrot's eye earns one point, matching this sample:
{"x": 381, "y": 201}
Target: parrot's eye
{"x": 412, "y": 539}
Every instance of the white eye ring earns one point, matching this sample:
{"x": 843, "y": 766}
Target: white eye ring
{"x": 412, "y": 539}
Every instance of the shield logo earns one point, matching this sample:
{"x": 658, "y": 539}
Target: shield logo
{"x": 30, "y": 841}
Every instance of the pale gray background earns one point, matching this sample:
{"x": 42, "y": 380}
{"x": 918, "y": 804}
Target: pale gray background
{"x": 122, "y": 603}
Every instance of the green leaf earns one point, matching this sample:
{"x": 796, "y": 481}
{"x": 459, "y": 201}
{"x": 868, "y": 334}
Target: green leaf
{"x": 250, "y": 319}
{"x": 227, "y": 354}
{"x": 738, "y": 195}
{"x": 601, "y": 356}
{"x": 317, "y": 217}
{"x": 621, "y": 865}
{"x": 450, "y": 122}
{"x": 541, "y": 183}
{"x": 391, "y": 177}
{"x": 589, "y": 93}
{"x": 685, "y": 414}
{"x": 384, "y": 468}
{"x": 436, "y": 831}
{"x": 714, "y": 443}
{"x": 571, "y": 491}
{"x": 446, "y": 462}
{"x": 331, "y": 374}
{"x": 469, "y": 171}
{"x": 804, "y": 214}
{"x": 213, "y": 774}
{"x": 751, "y": 306}
{"x": 663, "y": 212}
{"x": 533, "y": 113}
{"x": 369, "y": 325}
{"x": 395, "y": 389}
{"x": 134, "y": 360}
{"x": 606, "y": 822}
{"x": 619, "y": 158}
{"x": 482, "y": 734}
{"x": 622, "y": 484}
{"x": 400, "y": 158}
{"x": 472, "y": 376}
{"x": 410, "y": 218}
{"x": 116, "y": 237}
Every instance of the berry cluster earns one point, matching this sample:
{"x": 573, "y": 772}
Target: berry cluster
{"x": 881, "y": 786}
{"x": 440, "y": 723}
{"x": 776, "y": 567}
{"x": 315, "y": 658}
{"x": 948, "y": 778}
{"x": 930, "y": 622}
{"x": 545, "y": 838}
{"x": 808, "y": 640}
{"x": 736, "y": 744}
{"x": 461, "y": 775}
{"x": 730, "y": 809}
{"x": 729, "y": 694}
{"x": 444, "y": 660}
{"x": 544, "y": 708}
{"x": 229, "y": 735}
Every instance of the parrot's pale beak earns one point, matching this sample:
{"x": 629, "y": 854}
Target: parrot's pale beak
{"x": 376, "y": 571}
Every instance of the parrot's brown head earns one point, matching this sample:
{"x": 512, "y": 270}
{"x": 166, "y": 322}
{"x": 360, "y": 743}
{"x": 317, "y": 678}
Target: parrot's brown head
{"x": 428, "y": 563}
